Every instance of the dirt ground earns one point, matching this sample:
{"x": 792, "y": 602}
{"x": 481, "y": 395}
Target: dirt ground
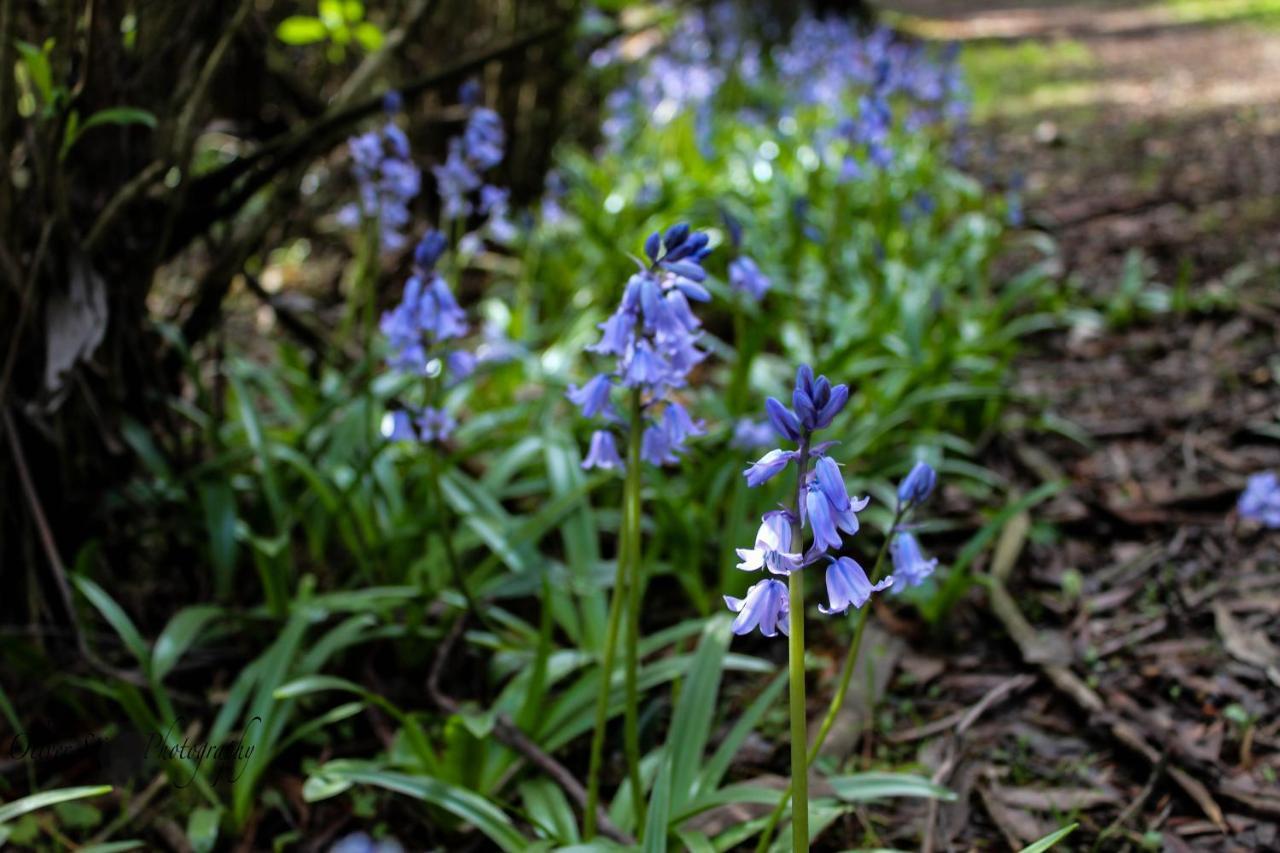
{"x": 1129, "y": 677}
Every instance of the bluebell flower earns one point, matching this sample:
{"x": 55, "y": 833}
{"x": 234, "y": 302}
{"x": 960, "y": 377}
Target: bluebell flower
{"x": 617, "y": 330}
{"x": 784, "y": 421}
{"x": 656, "y": 447}
{"x": 749, "y": 434}
{"x": 397, "y": 425}
{"x": 773, "y": 548}
{"x": 768, "y": 466}
{"x": 603, "y": 452}
{"x": 593, "y": 397}
{"x": 430, "y": 249}
{"x": 654, "y": 336}
{"x": 821, "y": 518}
{"x": 678, "y": 425}
{"x": 483, "y": 139}
{"x": 427, "y": 314}
{"x": 916, "y": 487}
{"x": 461, "y": 364}
{"x": 469, "y": 92}
{"x": 746, "y": 277}
{"x": 455, "y": 181}
{"x": 910, "y": 568}
{"x": 827, "y": 473}
{"x": 435, "y": 425}
{"x": 817, "y": 402}
{"x": 765, "y": 606}
{"x": 386, "y": 180}
{"x": 1260, "y": 500}
{"x": 848, "y": 585}
{"x": 644, "y": 368}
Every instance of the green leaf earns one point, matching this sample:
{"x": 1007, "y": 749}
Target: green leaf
{"x": 116, "y": 617}
{"x": 713, "y": 771}
{"x": 219, "y": 504}
{"x": 547, "y": 806}
{"x": 119, "y": 115}
{"x": 463, "y": 804}
{"x": 860, "y": 787}
{"x": 691, "y": 721}
{"x": 43, "y": 800}
{"x": 301, "y": 30}
{"x": 368, "y": 36}
{"x": 202, "y": 829}
{"x": 112, "y": 847}
{"x": 37, "y": 61}
{"x": 178, "y": 636}
{"x": 1051, "y": 839}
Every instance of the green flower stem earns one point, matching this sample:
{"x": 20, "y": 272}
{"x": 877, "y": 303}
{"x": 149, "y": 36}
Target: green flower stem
{"x": 795, "y": 649}
{"x": 451, "y": 557}
{"x": 837, "y": 701}
{"x": 602, "y": 699}
{"x": 635, "y": 591}
{"x": 625, "y": 598}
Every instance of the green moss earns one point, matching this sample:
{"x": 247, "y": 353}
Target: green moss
{"x": 1013, "y": 78}
{"x": 1224, "y": 11}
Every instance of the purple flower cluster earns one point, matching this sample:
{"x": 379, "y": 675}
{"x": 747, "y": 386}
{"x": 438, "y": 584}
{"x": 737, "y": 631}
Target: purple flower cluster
{"x": 415, "y": 330}
{"x": 479, "y": 148}
{"x": 387, "y": 180}
{"x": 1260, "y": 500}
{"x": 653, "y": 336}
{"x": 826, "y": 508}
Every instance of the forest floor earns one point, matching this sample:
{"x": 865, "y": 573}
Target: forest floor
{"x": 1131, "y": 680}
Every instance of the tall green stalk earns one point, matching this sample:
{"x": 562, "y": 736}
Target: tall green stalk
{"x": 635, "y": 591}
{"x": 795, "y": 649}
{"x": 837, "y": 700}
{"x": 625, "y": 599}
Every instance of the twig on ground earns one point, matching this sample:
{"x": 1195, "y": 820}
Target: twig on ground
{"x": 1085, "y": 698}
{"x": 506, "y": 733}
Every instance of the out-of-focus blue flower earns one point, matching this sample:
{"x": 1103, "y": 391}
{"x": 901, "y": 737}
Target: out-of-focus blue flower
{"x": 746, "y": 277}
{"x": 603, "y": 452}
{"x": 435, "y": 424}
{"x": 765, "y": 606}
{"x": 749, "y": 434}
{"x": 361, "y": 842}
{"x": 848, "y": 586}
{"x": 910, "y": 568}
{"x": 427, "y": 314}
{"x": 916, "y": 487}
{"x": 656, "y": 447}
{"x": 483, "y": 139}
{"x": 773, "y": 548}
{"x": 455, "y": 181}
{"x": 470, "y": 92}
{"x": 768, "y": 466}
{"x": 397, "y": 425}
{"x": 430, "y": 249}
{"x": 387, "y": 181}
{"x": 479, "y": 148}
{"x": 1260, "y": 500}
{"x": 593, "y": 397}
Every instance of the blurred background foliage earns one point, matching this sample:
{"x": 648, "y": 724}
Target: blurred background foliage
{"x": 201, "y": 518}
